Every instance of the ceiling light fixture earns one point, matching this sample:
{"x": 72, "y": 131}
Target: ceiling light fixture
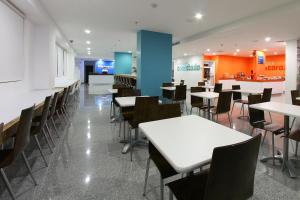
{"x": 265, "y": 50}
{"x": 237, "y": 50}
{"x": 208, "y": 50}
{"x": 198, "y": 16}
{"x": 129, "y": 51}
{"x": 87, "y": 31}
{"x": 88, "y": 42}
{"x": 89, "y": 48}
{"x": 251, "y": 55}
{"x": 267, "y": 39}
{"x": 275, "y": 53}
{"x": 185, "y": 54}
{"x": 235, "y": 53}
{"x": 214, "y": 54}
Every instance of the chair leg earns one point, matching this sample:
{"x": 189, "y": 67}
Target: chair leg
{"x": 229, "y": 118}
{"x": 59, "y": 118}
{"x": 6, "y": 181}
{"x": 130, "y": 142}
{"x": 161, "y": 188}
{"x": 241, "y": 108}
{"x": 40, "y": 149}
{"x": 293, "y": 123}
{"x": 54, "y": 126}
{"x": 170, "y": 194}
{"x": 49, "y": 133}
{"x": 28, "y": 167}
{"x": 232, "y": 108}
{"x": 273, "y": 149}
{"x": 48, "y": 142}
{"x": 263, "y": 140}
{"x": 191, "y": 110}
{"x": 252, "y": 131}
{"x": 270, "y": 117}
{"x": 296, "y": 150}
{"x": 146, "y": 176}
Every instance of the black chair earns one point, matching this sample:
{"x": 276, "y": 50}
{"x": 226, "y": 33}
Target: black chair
{"x": 218, "y": 87}
{"x": 230, "y": 177}
{"x": 236, "y": 96}
{"x": 168, "y": 94}
{"x": 52, "y": 110}
{"x": 257, "y": 121}
{"x": 60, "y": 106}
{"x": 38, "y": 127}
{"x": 140, "y": 115}
{"x": 197, "y": 102}
{"x": 201, "y": 83}
{"x": 295, "y": 135}
{"x": 22, "y": 139}
{"x": 266, "y": 97}
{"x": 223, "y": 106}
{"x": 180, "y": 95}
{"x": 159, "y": 112}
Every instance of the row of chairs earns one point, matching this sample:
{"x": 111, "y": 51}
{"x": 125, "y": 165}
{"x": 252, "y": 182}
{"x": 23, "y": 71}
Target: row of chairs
{"x": 55, "y": 109}
{"x": 124, "y": 81}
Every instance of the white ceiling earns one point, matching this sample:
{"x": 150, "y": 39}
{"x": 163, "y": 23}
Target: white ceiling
{"x": 235, "y": 23}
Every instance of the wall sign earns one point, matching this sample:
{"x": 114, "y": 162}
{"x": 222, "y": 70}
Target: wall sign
{"x": 189, "y": 67}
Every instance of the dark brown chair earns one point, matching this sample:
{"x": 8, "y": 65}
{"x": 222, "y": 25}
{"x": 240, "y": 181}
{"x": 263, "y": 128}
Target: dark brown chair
{"x": 22, "y": 139}
{"x": 168, "y": 94}
{"x": 201, "y": 83}
{"x": 230, "y": 177}
{"x": 236, "y": 96}
{"x": 38, "y": 127}
{"x": 257, "y": 121}
{"x": 60, "y": 106}
{"x": 223, "y": 106}
{"x": 140, "y": 115}
{"x": 218, "y": 87}
{"x": 52, "y": 112}
{"x": 180, "y": 95}
{"x": 266, "y": 97}
{"x": 181, "y": 82}
{"x": 197, "y": 102}
{"x": 295, "y": 135}
{"x": 160, "y": 112}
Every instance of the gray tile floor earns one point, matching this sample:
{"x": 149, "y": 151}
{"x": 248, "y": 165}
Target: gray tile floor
{"x": 87, "y": 163}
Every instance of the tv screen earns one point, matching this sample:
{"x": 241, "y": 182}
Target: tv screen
{"x": 104, "y": 67}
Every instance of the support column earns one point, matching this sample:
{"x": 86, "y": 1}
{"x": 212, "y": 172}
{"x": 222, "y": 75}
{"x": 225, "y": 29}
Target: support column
{"x": 123, "y": 63}
{"x": 154, "y": 61}
{"x": 291, "y": 71}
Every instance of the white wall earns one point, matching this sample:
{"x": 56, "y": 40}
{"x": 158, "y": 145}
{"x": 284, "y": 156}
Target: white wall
{"x": 291, "y": 67}
{"x": 191, "y": 78}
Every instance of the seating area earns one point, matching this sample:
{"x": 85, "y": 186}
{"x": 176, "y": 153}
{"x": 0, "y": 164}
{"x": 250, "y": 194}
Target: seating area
{"x": 149, "y": 100}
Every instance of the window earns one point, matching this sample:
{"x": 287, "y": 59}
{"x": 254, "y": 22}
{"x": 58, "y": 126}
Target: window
{"x": 61, "y": 62}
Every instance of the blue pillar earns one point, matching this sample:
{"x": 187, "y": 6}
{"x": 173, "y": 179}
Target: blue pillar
{"x": 123, "y": 62}
{"x": 154, "y": 61}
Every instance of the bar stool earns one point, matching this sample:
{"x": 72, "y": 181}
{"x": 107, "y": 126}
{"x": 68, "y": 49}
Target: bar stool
{"x": 22, "y": 139}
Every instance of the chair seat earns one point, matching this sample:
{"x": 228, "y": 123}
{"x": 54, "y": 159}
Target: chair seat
{"x": 165, "y": 169}
{"x": 244, "y": 101}
{"x": 6, "y": 157}
{"x": 274, "y": 128}
{"x": 295, "y": 135}
{"x": 191, "y": 187}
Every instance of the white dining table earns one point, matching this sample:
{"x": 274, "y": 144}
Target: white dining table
{"x": 288, "y": 111}
{"x": 172, "y": 88}
{"x": 112, "y": 91}
{"x": 207, "y": 95}
{"x": 244, "y": 91}
{"x": 188, "y": 142}
{"x": 208, "y": 87}
{"x": 12, "y": 105}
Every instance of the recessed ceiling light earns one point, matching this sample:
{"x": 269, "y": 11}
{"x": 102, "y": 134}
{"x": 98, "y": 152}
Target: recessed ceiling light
{"x": 214, "y": 53}
{"x": 129, "y": 51}
{"x": 89, "y": 48}
{"x": 185, "y": 54}
{"x": 237, "y": 50}
{"x": 87, "y": 31}
{"x": 208, "y": 50}
{"x": 89, "y": 53}
{"x": 265, "y": 50}
{"x": 235, "y": 53}
{"x": 198, "y": 16}
{"x": 275, "y": 53}
{"x": 267, "y": 39}
{"x": 88, "y": 42}
{"x": 251, "y": 55}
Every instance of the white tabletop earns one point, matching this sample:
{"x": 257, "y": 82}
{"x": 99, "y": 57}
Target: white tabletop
{"x": 64, "y": 83}
{"x": 206, "y": 95}
{"x": 11, "y": 106}
{"x": 168, "y": 88}
{"x": 208, "y": 86}
{"x": 112, "y": 91}
{"x": 280, "y": 108}
{"x": 297, "y": 98}
{"x": 188, "y": 142}
{"x": 248, "y": 91}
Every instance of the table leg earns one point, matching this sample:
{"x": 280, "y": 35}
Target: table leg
{"x": 286, "y": 163}
{"x": 208, "y": 108}
{"x": 136, "y": 141}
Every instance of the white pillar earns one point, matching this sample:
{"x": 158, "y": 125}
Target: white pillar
{"x": 291, "y": 65}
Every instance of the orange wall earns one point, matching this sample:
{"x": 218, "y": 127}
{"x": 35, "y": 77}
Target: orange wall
{"x": 233, "y": 64}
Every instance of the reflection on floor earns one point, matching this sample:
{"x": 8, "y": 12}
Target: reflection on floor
{"x": 88, "y": 164}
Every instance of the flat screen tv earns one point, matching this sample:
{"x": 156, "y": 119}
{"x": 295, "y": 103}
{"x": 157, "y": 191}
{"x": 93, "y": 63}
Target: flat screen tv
{"x": 104, "y": 67}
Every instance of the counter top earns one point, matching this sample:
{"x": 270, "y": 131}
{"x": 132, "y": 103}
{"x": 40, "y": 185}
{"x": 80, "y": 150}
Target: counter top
{"x": 246, "y": 80}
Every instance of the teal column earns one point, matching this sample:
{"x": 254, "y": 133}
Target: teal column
{"x": 123, "y": 62}
{"x": 154, "y": 61}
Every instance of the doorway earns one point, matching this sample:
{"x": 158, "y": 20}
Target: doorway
{"x": 88, "y": 69}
